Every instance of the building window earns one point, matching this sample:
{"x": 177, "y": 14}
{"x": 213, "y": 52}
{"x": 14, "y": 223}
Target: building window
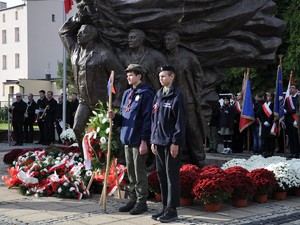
{"x": 4, "y": 62}
{"x": 17, "y": 60}
{"x": 3, "y": 36}
{"x": 11, "y": 89}
{"x": 53, "y": 18}
{"x": 3, "y": 18}
{"x": 16, "y": 15}
{"x": 17, "y": 34}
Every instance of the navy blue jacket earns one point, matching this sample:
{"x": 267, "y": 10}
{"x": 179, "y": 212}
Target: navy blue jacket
{"x": 168, "y": 119}
{"x": 136, "y": 123}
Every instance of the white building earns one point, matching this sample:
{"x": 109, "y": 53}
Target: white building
{"x": 30, "y": 46}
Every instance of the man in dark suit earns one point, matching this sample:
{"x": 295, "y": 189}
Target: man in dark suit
{"x": 18, "y": 109}
{"x": 72, "y": 109}
{"x": 29, "y": 119}
{"x": 41, "y": 104}
{"x": 291, "y": 121}
{"x": 49, "y": 119}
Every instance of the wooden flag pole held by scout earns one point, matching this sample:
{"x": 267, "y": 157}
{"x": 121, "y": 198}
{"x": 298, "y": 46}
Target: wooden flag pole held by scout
{"x": 108, "y": 161}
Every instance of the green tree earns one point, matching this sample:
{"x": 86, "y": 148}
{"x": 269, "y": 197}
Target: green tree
{"x": 70, "y": 82}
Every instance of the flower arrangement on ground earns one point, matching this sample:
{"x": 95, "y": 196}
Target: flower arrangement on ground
{"x": 187, "y": 180}
{"x": 50, "y": 172}
{"x": 213, "y": 190}
{"x": 286, "y": 176}
{"x": 95, "y": 141}
{"x": 264, "y": 180}
{"x": 242, "y": 185}
{"x": 211, "y": 171}
{"x": 68, "y": 135}
{"x": 153, "y": 182}
{"x": 188, "y": 175}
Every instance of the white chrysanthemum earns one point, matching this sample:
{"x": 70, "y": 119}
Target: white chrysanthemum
{"x": 233, "y": 162}
{"x": 98, "y": 129}
{"x": 70, "y": 153}
{"x": 104, "y": 120}
{"x": 59, "y": 190}
{"x": 100, "y": 115}
{"x": 103, "y": 140}
{"x": 107, "y": 130}
{"x": 65, "y": 184}
{"x": 95, "y": 113}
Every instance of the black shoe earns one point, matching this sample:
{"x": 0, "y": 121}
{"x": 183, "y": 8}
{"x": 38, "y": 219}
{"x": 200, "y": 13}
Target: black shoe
{"x": 159, "y": 213}
{"x": 15, "y": 144}
{"x": 139, "y": 208}
{"x": 169, "y": 215}
{"x": 20, "y": 144}
{"x": 126, "y": 208}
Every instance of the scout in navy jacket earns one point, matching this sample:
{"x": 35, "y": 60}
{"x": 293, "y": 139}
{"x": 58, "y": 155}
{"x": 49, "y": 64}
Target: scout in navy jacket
{"x": 168, "y": 119}
{"x": 135, "y": 115}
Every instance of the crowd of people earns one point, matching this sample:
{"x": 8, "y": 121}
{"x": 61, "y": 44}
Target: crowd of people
{"x": 46, "y": 112}
{"x": 259, "y": 136}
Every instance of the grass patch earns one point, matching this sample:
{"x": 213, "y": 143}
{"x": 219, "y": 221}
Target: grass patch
{"x": 3, "y": 126}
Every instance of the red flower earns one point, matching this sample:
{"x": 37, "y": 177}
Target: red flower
{"x": 153, "y": 182}
{"x": 211, "y": 171}
{"x": 190, "y": 167}
{"x": 264, "y": 180}
{"x": 212, "y": 190}
{"x": 243, "y": 186}
{"x": 187, "y": 180}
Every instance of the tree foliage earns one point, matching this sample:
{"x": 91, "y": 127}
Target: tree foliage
{"x": 70, "y": 83}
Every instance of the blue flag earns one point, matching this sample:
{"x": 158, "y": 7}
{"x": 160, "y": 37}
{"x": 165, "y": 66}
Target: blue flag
{"x": 247, "y": 114}
{"x": 278, "y": 103}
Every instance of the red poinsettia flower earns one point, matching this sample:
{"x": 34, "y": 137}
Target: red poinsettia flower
{"x": 264, "y": 180}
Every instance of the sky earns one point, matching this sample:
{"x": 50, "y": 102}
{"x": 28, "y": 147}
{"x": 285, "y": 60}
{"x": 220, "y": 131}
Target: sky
{"x": 11, "y": 3}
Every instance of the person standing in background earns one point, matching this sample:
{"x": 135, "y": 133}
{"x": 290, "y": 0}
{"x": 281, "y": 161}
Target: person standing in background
{"x": 41, "y": 105}
{"x": 30, "y": 117}
{"x": 226, "y": 125}
{"x": 49, "y": 118}
{"x": 73, "y": 104}
{"x": 17, "y": 110}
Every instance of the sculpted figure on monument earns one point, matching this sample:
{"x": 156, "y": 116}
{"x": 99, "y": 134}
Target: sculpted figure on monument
{"x": 189, "y": 81}
{"x": 149, "y": 58}
{"x": 92, "y": 64}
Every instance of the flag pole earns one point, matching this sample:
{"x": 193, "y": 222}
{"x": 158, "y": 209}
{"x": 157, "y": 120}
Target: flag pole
{"x": 284, "y": 140}
{"x": 103, "y": 195}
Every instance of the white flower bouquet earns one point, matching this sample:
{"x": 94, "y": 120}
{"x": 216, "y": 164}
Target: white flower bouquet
{"x": 68, "y": 135}
{"x": 285, "y": 175}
